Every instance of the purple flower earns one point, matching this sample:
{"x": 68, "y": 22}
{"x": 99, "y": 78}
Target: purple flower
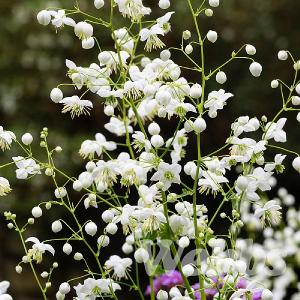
{"x": 165, "y": 281}
{"x": 257, "y": 295}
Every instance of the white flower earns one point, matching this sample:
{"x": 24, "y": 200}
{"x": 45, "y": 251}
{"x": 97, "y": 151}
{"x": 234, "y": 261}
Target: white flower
{"x": 25, "y": 167}
{"x": 151, "y": 37}
{"x": 211, "y": 182}
{"x": 96, "y": 288}
{"x": 133, "y": 9}
{"x": 246, "y": 187}
{"x": 4, "y": 186}
{"x": 4, "y": 285}
{"x": 60, "y": 19}
{"x": 216, "y": 100}
{"x": 118, "y": 265}
{"x": 244, "y": 124}
{"x": 117, "y": 127}
{"x": 38, "y": 249}
{"x": 76, "y": 106}
{"x": 262, "y": 178}
{"x": 275, "y": 131}
{"x": 277, "y": 165}
{"x": 141, "y": 142}
{"x": 148, "y": 194}
{"x": 90, "y": 148}
{"x": 6, "y": 138}
{"x": 112, "y": 59}
{"x": 270, "y": 212}
{"x": 83, "y": 30}
{"x": 167, "y": 174}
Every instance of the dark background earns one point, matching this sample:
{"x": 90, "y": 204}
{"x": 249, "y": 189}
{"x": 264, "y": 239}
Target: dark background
{"x": 32, "y": 63}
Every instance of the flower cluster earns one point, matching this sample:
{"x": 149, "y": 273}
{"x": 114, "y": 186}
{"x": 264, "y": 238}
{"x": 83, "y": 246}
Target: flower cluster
{"x": 151, "y": 182}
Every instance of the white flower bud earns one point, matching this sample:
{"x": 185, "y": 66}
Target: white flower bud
{"x": 44, "y": 17}
{"x": 250, "y": 50}
{"x": 91, "y": 228}
{"x": 30, "y": 221}
{"x": 297, "y": 65}
{"x": 165, "y": 55}
{"x": 221, "y": 77}
{"x": 78, "y": 256}
{"x": 88, "y": 43}
{"x": 109, "y": 110}
{"x": 19, "y": 269}
{"x": 189, "y": 49}
{"x": 188, "y": 270}
{"x": 283, "y": 55}
{"x": 127, "y": 249}
{"x": 44, "y": 274}
{"x": 209, "y": 12}
{"x": 56, "y": 95}
{"x": 157, "y": 141}
{"x": 186, "y": 35}
{"x": 242, "y": 183}
{"x": 77, "y": 185}
{"x": 163, "y": 97}
{"x": 48, "y": 285}
{"x": 164, "y": 4}
{"x": 255, "y": 69}
{"x": 107, "y": 216}
{"x": 212, "y": 36}
{"x": 162, "y": 295}
{"x": 56, "y": 226}
{"x": 189, "y": 167}
{"x": 188, "y": 126}
{"x": 296, "y": 164}
{"x": 64, "y": 288}
{"x": 154, "y": 128}
{"x": 112, "y": 228}
{"x": 214, "y": 3}
{"x": 59, "y": 296}
{"x": 58, "y": 149}
{"x": 241, "y": 266}
{"x": 60, "y": 192}
{"x": 296, "y": 100}
{"x": 274, "y": 84}
{"x": 103, "y": 240}
{"x": 196, "y": 91}
{"x": 104, "y": 57}
{"x": 67, "y": 248}
{"x": 27, "y": 139}
{"x": 199, "y": 125}
{"x": 98, "y": 3}
{"x": 223, "y": 215}
{"x": 141, "y": 255}
{"x": 298, "y": 117}
{"x": 298, "y": 88}
{"x": 37, "y": 212}
{"x": 266, "y": 295}
{"x": 184, "y": 242}
{"x": 83, "y": 30}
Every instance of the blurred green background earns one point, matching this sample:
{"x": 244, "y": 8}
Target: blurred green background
{"x": 32, "y": 63}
